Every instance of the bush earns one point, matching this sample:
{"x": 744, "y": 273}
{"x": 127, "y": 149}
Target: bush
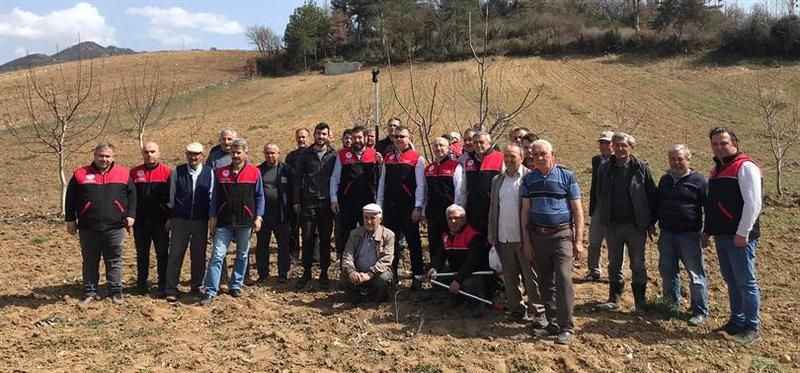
{"x": 785, "y": 35}
{"x": 275, "y": 65}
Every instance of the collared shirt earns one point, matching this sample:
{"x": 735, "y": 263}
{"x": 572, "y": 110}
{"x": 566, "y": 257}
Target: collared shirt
{"x": 366, "y": 254}
{"x": 550, "y": 196}
{"x": 508, "y": 229}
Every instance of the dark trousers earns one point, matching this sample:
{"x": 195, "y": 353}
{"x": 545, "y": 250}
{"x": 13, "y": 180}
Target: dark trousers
{"x": 264, "y": 236}
{"x": 375, "y": 290}
{"x": 399, "y": 222}
{"x": 349, "y": 216}
{"x": 107, "y": 244}
{"x": 317, "y": 222}
{"x": 194, "y": 234}
{"x": 553, "y": 258}
{"x": 144, "y": 234}
{"x": 437, "y": 226}
{"x": 294, "y": 234}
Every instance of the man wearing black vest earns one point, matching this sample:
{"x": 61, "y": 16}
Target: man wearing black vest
{"x": 732, "y": 210}
{"x": 353, "y": 185}
{"x": 480, "y": 167}
{"x": 275, "y": 176}
{"x": 443, "y": 180}
{"x": 152, "y": 191}
{"x": 312, "y": 202}
{"x": 189, "y": 196}
{"x": 401, "y": 194}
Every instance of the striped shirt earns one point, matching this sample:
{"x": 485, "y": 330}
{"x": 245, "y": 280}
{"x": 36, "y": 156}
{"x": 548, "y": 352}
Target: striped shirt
{"x": 550, "y": 195}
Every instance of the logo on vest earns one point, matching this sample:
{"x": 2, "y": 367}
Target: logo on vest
{"x": 431, "y": 168}
{"x": 90, "y": 178}
{"x": 348, "y": 155}
{"x": 226, "y": 173}
{"x": 140, "y": 173}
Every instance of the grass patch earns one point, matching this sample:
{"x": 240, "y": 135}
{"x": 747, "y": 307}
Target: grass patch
{"x": 764, "y": 365}
{"x": 425, "y": 368}
{"x": 39, "y": 240}
{"x": 520, "y": 365}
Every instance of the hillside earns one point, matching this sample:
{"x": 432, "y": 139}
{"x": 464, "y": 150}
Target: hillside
{"x": 85, "y": 50}
{"x": 274, "y": 328}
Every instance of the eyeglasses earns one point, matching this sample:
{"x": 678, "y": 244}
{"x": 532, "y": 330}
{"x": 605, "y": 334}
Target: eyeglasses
{"x": 399, "y": 136}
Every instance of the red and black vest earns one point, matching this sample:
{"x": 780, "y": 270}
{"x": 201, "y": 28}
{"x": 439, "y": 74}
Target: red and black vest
{"x": 441, "y": 191}
{"x": 236, "y": 201}
{"x": 358, "y": 181}
{"x": 460, "y": 241}
{"x": 479, "y": 175}
{"x": 725, "y": 203}
{"x": 152, "y": 193}
{"x": 400, "y": 181}
{"x": 100, "y": 201}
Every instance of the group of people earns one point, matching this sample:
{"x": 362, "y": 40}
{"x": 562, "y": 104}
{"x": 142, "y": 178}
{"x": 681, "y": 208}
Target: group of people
{"x": 479, "y": 200}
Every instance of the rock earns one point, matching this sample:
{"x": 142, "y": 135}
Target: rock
{"x": 786, "y": 359}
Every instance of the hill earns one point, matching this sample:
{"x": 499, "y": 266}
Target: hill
{"x": 85, "y": 50}
{"x": 272, "y": 327}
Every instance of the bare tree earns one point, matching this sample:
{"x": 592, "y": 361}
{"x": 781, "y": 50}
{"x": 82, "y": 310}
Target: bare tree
{"x": 264, "y": 39}
{"x": 62, "y": 114}
{"x": 626, "y": 117}
{"x": 147, "y": 98}
{"x": 780, "y": 120}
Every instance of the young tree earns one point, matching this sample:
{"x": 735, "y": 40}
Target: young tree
{"x": 780, "y": 120}
{"x": 264, "y": 39}
{"x": 147, "y": 98}
{"x": 306, "y": 33}
{"x": 62, "y": 114}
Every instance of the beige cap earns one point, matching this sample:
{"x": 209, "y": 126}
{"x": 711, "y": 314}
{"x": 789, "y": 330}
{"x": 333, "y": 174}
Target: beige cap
{"x": 606, "y": 136}
{"x": 194, "y": 147}
{"x": 372, "y": 209}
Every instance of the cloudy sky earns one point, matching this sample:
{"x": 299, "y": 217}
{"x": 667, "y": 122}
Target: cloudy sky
{"x": 45, "y": 26}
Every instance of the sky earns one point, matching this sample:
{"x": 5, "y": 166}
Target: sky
{"x": 46, "y": 26}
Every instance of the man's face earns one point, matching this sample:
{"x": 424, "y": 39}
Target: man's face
{"x": 226, "y": 139}
{"x": 238, "y": 156}
{"x": 357, "y": 142}
{"x": 723, "y": 146}
{"x": 542, "y": 158}
{"x": 402, "y": 139}
{"x": 321, "y": 137}
{"x": 517, "y": 136}
{"x": 347, "y": 140}
{"x": 678, "y": 162}
{"x": 194, "y": 159}
{"x": 483, "y": 143}
{"x": 301, "y": 137}
{"x": 391, "y": 126}
{"x": 103, "y": 158}
{"x": 622, "y": 150}
{"x": 370, "y": 138}
{"x": 527, "y": 148}
{"x": 150, "y": 154}
{"x": 371, "y": 222}
{"x": 440, "y": 148}
{"x": 605, "y": 147}
{"x": 271, "y": 155}
{"x": 512, "y": 158}
{"x": 456, "y": 221}
{"x": 469, "y": 142}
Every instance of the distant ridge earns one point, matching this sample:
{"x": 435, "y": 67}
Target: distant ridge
{"x": 85, "y": 50}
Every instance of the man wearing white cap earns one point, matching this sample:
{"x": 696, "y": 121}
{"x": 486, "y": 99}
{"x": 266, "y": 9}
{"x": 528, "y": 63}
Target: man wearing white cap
{"x": 189, "y": 196}
{"x": 368, "y": 256}
{"x": 597, "y": 230}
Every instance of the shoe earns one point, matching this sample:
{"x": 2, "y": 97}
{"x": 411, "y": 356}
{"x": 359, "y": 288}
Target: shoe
{"x": 87, "y": 299}
{"x": 262, "y": 280}
{"x": 608, "y": 306}
{"x": 282, "y": 279}
{"x": 171, "y": 298}
{"x": 540, "y": 321}
{"x": 236, "y": 293}
{"x": 640, "y": 298}
{"x": 324, "y": 283}
{"x": 206, "y": 300}
{"x": 117, "y": 299}
{"x": 550, "y": 330}
{"x": 564, "y": 338}
{"x": 141, "y": 290}
{"x": 747, "y": 337}
{"x": 729, "y": 330}
{"x": 249, "y": 281}
{"x": 697, "y": 320}
{"x": 303, "y": 281}
{"x": 591, "y": 277}
{"x": 160, "y": 294}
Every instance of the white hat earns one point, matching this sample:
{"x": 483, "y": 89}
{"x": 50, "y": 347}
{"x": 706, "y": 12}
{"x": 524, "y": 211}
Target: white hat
{"x": 606, "y": 136}
{"x": 372, "y": 209}
{"x": 194, "y": 147}
{"x": 455, "y": 135}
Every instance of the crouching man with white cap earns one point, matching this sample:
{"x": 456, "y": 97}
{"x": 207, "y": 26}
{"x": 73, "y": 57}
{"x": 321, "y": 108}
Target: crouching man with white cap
{"x": 367, "y": 259}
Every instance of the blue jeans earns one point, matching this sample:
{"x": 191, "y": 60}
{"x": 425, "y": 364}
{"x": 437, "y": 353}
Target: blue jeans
{"x": 738, "y": 268}
{"x": 687, "y": 248}
{"x": 222, "y": 237}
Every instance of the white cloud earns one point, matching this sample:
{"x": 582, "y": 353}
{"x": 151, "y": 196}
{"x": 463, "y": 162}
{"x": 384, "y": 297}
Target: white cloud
{"x": 170, "y": 26}
{"x": 60, "y": 26}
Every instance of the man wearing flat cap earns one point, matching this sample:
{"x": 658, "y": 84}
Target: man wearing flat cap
{"x": 367, "y": 259}
{"x": 189, "y": 196}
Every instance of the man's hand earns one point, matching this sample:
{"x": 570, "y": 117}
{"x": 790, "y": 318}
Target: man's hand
{"x": 455, "y": 287}
{"x": 416, "y": 215}
{"x": 212, "y": 226}
{"x": 651, "y": 232}
{"x": 257, "y": 224}
{"x": 296, "y": 208}
{"x": 364, "y": 277}
{"x": 335, "y": 208}
{"x": 129, "y": 224}
{"x": 431, "y": 274}
{"x": 379, "y": 157}
{"x": 72, "y": 227}
{"x": 577, "y": 251}
{"x": 739, "y": 241}
{"x": 706, "y": 240}
{"x": 354, "y": 278}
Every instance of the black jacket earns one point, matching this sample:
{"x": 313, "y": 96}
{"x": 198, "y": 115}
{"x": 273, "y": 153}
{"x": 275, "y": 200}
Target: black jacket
{"x": 312, "y": 178}
{"x": 680, "y": 202}
{"x": 285, "y": 194}
{"x": 642, "y": 190}
{"x": 100, "y": 201}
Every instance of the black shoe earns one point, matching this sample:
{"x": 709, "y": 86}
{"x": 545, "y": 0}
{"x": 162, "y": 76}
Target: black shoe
{"x": 117, "y": 299}
{"x": 303, "y": 281}
{"x": 729, "y": 330}
{"x": 551, "y": 330}
{"x": 282, "y": 279}
{"x": 324, "y": 283}
{"x": 172, "y": 298}
{"x": 592, "y": 277}
{"x": 142, "y": 289}
{"x": 236, "y": 293}
{"x": 564, "y": 338}
{"x": 160, "y": 294}
{"x": 206, "y": 300}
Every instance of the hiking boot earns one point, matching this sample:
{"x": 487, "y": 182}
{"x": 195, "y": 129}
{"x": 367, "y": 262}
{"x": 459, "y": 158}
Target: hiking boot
{"x": 608, "y": 306}
{"x": 206, "y": 300}
{"x": 592, "y": 277}
{"x": 539, "y": 321}
{"x": 614, "y": 295}
{"x": 729, "y": 330}
{"x": 303, "y": 280}
{"x": 117, "y": 299}
{"x": 550, "y": 330}
{"x": 747, "y": 337}
{"x": 236, "y": 293}
{"x": 697, "y": 320}
{"x": 564, "y": 338}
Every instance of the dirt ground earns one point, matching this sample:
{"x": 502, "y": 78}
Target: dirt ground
{"x": 275, "y": 328}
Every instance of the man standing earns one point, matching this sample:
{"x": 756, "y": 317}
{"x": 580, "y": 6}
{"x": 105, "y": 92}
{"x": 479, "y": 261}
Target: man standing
{"x": 220, "y": 154}
{"x": 100, "y": 204}
{"x": 368, "y": 256}
{"x": 237, "y": 208}
{"x": 275, "y": 177}
{"x": 443, "y": 184}
{"x": 385, "y": 144}
{"x": 353, "y": 185}
{"x": 552, "y": 215}
{"x": 152, "y": 191}
{"x": 597, "y": 230}
{"x": 527, "y": 150}
{"x": 480, "y": 168}
{"x": 516, "y": 135}
{"x": 681, "y": 196}
{"x": 190, "y": 191}
{"x": 733, "y": 207}
{"x": 301, "y": 139}
{"x": 369, "y": 137}
{"x": 506, "y": 236}
{"x": 347, "y": 138}
{"x": 468, "y": 146}
{"x": 626, "y": 202}
{"x": 456, "y": 146}
{"x": 401, "y": 193}
{"x": 313, "y": 203}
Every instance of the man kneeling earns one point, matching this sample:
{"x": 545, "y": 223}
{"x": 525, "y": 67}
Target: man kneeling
{"x": 367, "y": 260}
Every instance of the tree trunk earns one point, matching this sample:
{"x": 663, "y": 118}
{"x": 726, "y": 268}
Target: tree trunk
{"x": 780, "y": 177}
{"x": 63, "y": 180}
{"x": 636, "y": 15}
{"x": 141, "y": 139}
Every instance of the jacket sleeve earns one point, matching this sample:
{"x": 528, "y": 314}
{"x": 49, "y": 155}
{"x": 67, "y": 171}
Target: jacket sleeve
{"x": 749, "y": 179}
{"x": 458, "y": 186}
{"x": 419, "y": 174}
{"x": 297, "y": 179}
{"x": 385, "y": 254}
{"x": 348, "y": 257}
{"x": 652, "y": 194}
{"x": 334, "y": 182}
{"x": 261, "y": 203}
{"x": 478, "y": 250}
{"x": 593, "y": 184}
{"x": 381, "y": 185}
{"x": 131, "y": 191}
{"x": 172, "y": 186}
{"x": 71, "y": 202}
{"x": 494, "y": 207}
{"x": 212, "y": 206}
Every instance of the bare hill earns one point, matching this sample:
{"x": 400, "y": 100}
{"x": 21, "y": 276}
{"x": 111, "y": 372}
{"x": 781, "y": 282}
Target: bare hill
{"x": 85, "y": 50}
